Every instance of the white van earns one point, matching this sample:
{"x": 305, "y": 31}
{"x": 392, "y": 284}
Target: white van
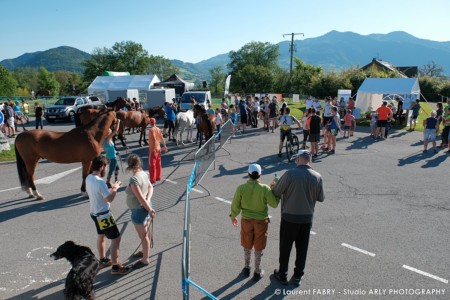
{"x": 202, "y": 98}
{"x": 157, "y": 97}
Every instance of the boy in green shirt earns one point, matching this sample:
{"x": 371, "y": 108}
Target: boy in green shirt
{"x": 251, "y": 200}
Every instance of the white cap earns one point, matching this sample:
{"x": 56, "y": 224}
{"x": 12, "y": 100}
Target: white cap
{"x": 254, "y": 168}
{"x": 305, "y": 153}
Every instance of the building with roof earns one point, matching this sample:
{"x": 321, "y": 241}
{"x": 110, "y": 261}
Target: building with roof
{"x": 404, "y": 72}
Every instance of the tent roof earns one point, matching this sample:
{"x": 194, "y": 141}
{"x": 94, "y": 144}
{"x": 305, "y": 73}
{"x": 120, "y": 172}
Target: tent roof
{"x": 174, "y": 79}
{"x": 390, "y": 86}
{"x": 120, "y": 83}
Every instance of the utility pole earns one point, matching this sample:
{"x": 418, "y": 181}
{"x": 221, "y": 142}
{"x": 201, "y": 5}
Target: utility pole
{"x": 292, "y": 49}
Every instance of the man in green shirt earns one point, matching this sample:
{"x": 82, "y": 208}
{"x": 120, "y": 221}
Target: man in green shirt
{"x": 251, "y": 200}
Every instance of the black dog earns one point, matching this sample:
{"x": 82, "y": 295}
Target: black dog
{"x": 80, "y": 280}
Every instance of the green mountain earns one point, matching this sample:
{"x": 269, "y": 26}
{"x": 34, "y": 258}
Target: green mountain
{"x": 61, "y": 58}
{"x": 332, "y": 51}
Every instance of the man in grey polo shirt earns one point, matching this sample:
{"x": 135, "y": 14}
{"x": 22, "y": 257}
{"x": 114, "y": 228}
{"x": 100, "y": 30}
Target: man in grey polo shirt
{"x": 300, "y": 188}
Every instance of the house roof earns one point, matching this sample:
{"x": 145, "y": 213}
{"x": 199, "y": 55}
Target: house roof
{"x": 405, "y": 72}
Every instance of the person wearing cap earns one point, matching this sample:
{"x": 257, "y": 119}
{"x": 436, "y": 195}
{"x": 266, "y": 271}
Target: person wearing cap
{"x": 251, "y": 200}
{"x": 155, "y": 138}
{"x": 431, "y": 126}
{"x": 299, "y": 188}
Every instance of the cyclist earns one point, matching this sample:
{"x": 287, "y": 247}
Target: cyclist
{"x": 286, "y": 121}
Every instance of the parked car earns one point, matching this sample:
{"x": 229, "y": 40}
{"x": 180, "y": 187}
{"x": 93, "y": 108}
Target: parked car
{"x": 66, "y": 107}
{"x": 201, "y": 97}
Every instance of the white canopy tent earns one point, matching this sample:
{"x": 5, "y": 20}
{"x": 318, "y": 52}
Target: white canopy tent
{"x": 373, "y": 91}
{"x": 126, "y": 85}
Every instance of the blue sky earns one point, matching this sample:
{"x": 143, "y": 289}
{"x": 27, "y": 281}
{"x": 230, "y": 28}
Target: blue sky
{"x": 194, "y": 30}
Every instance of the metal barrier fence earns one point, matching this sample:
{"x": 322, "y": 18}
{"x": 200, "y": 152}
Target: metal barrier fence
{"x": 203, "y": 160}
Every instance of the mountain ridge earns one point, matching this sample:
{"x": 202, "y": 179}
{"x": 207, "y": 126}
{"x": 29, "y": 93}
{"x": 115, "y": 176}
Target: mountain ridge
{"x": 332, "y": 51}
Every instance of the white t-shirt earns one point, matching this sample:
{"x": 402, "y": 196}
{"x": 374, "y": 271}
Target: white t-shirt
{"x": 97, "y": 191}
{"x": 218, "y": 119}
{"x": 316, "y": 105}
{"x": 327, "y": 109}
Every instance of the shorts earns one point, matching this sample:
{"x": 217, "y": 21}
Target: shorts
{"x": 314, "y": 138}
{"x": 244, "y": 119}
{"x": 10, "y": 122}
{"x": 326, "y": 120}
{"x": 414, "y": 117}
{"x": 429, "y": 135}
{"x": 382, "y": 123}
{"x": 347, "y": 127}
{"x": 334, "y": 131}
{"x": 110, "y": 233}
{"x": 254, "y": 233}
{"x": 139, "y": 216}
{"x": 284, "y": 134}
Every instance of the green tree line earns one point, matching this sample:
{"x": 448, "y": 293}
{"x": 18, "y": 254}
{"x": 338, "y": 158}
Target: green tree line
{"x": 253, "y": 67}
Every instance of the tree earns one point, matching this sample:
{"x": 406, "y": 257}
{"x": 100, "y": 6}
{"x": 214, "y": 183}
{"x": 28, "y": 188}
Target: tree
{"x": 47, "y": 81}
{"x": 7, "y": 83}
{"x": 217, "y": 84}
{"x": 130, "y": 57}
{"x": 430, "y": 87}
{"x": 161, "y": 66}
{"x": 70, "y": 83}
{"x": 302, "y": 75}
{"x": 432, "y": 70}
{"x": 260, "y": 59}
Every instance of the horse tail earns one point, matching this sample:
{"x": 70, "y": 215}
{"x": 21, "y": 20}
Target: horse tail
{"x": 21, "y": 170}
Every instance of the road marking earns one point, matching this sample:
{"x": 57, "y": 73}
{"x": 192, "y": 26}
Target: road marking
{"x": 312, "y": 232}
{"x": 229, "y": 202}
{"x": 174, "y": 182}
{"x": 53, "y": 178}
{"x": 47, "y": 180}
{"x": 198, "y": 191}
{"x": 358, "y": 249}
{"x": 223, "y": 200}
{"x": 425, "y": 274}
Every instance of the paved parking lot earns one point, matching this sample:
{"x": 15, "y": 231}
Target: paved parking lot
{"x": 383, "y": 227}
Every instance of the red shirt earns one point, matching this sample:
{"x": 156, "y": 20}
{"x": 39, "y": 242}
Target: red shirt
{"x": 383, "y": 113}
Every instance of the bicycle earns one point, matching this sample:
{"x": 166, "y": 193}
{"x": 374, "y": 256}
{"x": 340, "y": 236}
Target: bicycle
{"x": 292, "y": 145}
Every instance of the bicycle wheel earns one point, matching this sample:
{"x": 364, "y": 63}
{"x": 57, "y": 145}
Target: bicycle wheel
{"x": 295, "y": 144}
{"x": 289, "y": 149}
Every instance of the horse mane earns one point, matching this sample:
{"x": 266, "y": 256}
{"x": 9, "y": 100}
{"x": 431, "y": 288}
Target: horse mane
{"x": 96, "y": 121}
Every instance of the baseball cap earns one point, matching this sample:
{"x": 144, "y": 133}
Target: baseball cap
{"x": 254, "y": 168}
{"x": 152, "y": 121}
{"x": 305, "y": 153}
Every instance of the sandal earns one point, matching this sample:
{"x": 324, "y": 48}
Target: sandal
{"x": 120, "y": 270}
{"x": 138, "y": 254}
{"x": 104, "y": 262}
{"x": 139, "y": 265}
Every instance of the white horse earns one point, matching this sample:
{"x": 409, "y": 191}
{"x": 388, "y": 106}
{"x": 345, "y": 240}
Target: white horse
{"x": 185, "y": 120}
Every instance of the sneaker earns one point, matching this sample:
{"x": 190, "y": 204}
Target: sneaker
{"x": 246, "y": 271}
{"x": 435, "y": 150}
{"x": 296, "y": 279}
{"x": 258, "y": 276}
{"x": 120, "y": 270}
{"x": 331, "y": 151}
{"x": 104, "y": 262}
{"x": 315, "y": 156}
{"x": 279, "y": 154}
{"x": 281, "y": 278}
{"x": 424, "y": 151}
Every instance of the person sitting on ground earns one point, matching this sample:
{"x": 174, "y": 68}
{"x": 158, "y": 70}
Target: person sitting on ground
{"x": 251, "y": 199}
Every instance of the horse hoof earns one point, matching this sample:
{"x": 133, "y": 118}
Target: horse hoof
{"x": 40, "y": 197}
{"x": 31, "y": 196}
{"x": 84, "y": 194}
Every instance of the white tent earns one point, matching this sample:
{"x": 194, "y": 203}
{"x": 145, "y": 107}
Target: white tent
{"x": 103, "y": 86}
{"x": 373, "y": 91}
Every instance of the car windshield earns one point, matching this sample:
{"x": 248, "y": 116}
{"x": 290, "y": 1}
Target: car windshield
{"x": 186, "y": 98}
{"x": 65, "y": 101}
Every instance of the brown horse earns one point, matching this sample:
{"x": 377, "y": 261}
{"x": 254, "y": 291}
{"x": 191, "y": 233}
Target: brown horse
{"x": 81, "y": 144}
{"x": 119, "y": 103}
{"x": 206, "y": 126}
{"x": 157, "y": 110}
{"x": 133, "y": 119}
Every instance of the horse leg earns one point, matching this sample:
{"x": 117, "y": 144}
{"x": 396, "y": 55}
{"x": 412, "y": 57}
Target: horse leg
{"x": 32, "y": 185}
{"x": 143, "y": 128}
{"x": 86, "y": 168}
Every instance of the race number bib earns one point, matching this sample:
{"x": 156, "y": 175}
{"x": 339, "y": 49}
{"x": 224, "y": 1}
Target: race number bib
{"x": 285, "y": 127}
{"x": 106, "y": 221}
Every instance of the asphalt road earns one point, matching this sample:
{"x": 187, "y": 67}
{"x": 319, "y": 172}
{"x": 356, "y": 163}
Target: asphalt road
{"x": 382, "y": 231}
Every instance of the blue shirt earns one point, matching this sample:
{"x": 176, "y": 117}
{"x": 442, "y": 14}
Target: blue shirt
{"x": 416, "y": 109}
{"x": 170, "y": 113}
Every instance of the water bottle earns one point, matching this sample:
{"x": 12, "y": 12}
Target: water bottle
{"x": 276, "y": 177}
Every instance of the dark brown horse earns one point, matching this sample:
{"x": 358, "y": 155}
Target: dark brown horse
{"x": 206, "y": 126}
{"x": 157, "y": 110}
{"x": 81, "y": 144}
{"x": 133, "y": 119}
{"x": 119, "y": 103}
